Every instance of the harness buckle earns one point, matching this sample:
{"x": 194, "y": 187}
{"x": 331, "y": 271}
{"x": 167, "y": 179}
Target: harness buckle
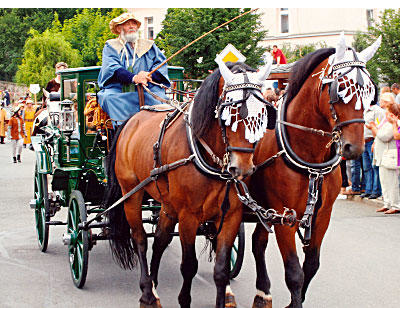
{"x": 335, "y": 138}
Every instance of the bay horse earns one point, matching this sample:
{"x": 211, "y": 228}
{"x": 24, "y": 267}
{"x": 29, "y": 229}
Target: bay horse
{"x": 327, "y": 89}
{"x": 188, "y": 195}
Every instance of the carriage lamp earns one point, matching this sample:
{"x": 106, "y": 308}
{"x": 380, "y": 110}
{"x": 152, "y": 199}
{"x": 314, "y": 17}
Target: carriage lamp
{"x": 67, "y": 123}
{"x": 67, "y": 117}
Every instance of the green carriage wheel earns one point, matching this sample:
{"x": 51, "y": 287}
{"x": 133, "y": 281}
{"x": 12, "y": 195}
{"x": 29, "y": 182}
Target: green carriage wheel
{"x": 78, "y": 248}
{"x": 42, "y": 216}
{"x": 237, "y": 253}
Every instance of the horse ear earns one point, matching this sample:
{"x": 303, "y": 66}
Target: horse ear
{"x": 265, "y": 71}
{"x": 225, "y": 72}
{"x": 340, "y": 48}
{"x": 370, "y": 51}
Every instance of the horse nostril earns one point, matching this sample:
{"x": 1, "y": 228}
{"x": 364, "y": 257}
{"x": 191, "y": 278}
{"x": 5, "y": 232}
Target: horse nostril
{"x": 234, "y": 171}
{"x": 350, "y": 151}
{"x": 347, "y": 148}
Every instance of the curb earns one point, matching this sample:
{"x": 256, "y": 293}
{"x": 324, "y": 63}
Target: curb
{"x": 357, "y": 198}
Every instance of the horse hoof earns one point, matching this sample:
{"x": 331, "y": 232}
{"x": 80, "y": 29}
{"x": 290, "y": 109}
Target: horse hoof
{"x": 230, "y": 301}
{"x": 260, "y": 302}
{"x": 155, "y": 304}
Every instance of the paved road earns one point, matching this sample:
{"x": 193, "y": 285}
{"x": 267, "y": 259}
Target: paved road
{"x": 359, "y": 262}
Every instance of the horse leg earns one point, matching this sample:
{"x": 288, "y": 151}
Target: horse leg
{"x": 187, "y": 233}
{"x": 139, "y": 237}
{"x": 312, "y": 252}
{"x": 225, "y": 242}
{"x": 294, "y": 276}
{"x": 162, "y": 239}
{"x": 263, "y": 297}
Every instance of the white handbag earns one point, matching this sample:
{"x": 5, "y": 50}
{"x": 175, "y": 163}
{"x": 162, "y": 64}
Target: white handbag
{"x": 389, "y": 159}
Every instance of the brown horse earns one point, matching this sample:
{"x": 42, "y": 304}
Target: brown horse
{"x": 187, "y": 195}
{"x": 325, "y": 95}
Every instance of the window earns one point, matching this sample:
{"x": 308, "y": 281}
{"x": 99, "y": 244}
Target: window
{"x": 150, "y": 33}
{"x": 284, "y": 20}
{"x": 93, "y": 116}
{"x": 149, "y": 28}
{"x": 370, "y": 17}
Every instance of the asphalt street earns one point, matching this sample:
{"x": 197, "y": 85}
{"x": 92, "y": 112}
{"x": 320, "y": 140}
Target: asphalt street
{"x": 359, "y": 261}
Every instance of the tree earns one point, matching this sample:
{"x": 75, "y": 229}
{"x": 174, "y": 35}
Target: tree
{"x": 86, "y": 32}
{"x": 11, "y": 45}
{"x": 385, "y": 65}
{"x": 41, "y": 53}
{"x": 181, "y": 26}
{"x": 293, "y": 54}
{"x": 15, "y": 24}
{"x": 82, "y": 32}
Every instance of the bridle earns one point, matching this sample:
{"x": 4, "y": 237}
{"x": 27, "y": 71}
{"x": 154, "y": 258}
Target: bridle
{"x": 333, "y": 89}
{"x": 332, "y": 83}
{"x": 248, "y": 89}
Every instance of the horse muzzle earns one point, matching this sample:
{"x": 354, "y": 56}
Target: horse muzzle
{"x": 351, "y": 151}
{"x": 240, "y": 170}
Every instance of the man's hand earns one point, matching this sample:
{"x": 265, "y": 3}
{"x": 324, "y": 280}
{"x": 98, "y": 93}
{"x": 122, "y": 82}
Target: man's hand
{"x": 142, "y": 77}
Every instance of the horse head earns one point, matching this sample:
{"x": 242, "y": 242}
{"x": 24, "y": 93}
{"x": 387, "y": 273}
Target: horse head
{"x": 242, "y": 107}
{"x": 346, "y": 86}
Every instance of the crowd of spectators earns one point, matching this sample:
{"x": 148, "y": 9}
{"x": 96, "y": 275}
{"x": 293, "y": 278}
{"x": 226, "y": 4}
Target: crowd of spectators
{"x": 376, "y": 174}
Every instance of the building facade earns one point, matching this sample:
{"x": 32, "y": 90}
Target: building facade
{"x": 294, "y": 26}
{"x": 303, "y": 26}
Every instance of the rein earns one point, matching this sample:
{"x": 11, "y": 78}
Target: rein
{"x": 266, "y": 217}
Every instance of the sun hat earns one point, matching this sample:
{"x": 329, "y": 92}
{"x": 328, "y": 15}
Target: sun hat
{"x": 122, "y": 19}
{"x": 61, "y": 64}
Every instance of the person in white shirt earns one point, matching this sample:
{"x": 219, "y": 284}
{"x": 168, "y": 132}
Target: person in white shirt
{"x": 396, "y": 90}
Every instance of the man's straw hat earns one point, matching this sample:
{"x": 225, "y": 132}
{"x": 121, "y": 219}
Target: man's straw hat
{"x": 122, "y": 19}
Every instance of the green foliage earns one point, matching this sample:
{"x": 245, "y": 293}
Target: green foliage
{"x": 15, "y": 24}
{"x": 385, "y": 65}
{"x": 181, "y": 26}
{"x": 41, "y": 53}
{"x": 78, "y": 42}
{"x": 293, "y": 53}
{"x": 11, "y": 45}
{"x": 82, "y": 31}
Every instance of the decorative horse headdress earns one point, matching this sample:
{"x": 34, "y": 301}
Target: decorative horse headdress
{"x": 349, "y": 76}
{"x": 244, "y": 101}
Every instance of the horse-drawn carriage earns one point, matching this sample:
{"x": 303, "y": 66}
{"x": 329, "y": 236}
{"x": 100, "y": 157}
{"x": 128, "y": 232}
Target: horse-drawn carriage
{"x": 71, "y": 149}
{"x": 192, "y": 161}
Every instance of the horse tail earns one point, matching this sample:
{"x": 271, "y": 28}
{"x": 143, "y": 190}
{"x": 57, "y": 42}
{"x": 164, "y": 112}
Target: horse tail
{"x": 122, "y": 247}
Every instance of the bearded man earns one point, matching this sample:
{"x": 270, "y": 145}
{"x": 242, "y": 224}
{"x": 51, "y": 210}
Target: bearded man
{"x": 127, "y": 60}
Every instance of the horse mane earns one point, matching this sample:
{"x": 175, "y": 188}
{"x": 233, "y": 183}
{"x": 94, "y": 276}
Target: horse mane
{"x": 303, "y": 68}
{"x": 206, "y": 98}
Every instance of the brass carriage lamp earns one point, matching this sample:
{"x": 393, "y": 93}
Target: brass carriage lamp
{"x": 67, "y": 117}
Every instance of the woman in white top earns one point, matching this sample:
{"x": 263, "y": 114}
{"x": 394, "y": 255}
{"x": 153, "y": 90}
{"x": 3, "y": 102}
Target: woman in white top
{"x": 384, "y": 140}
